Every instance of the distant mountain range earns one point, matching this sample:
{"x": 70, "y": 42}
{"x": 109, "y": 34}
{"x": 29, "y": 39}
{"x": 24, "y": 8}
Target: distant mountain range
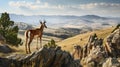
{"x": 90, "y": 21}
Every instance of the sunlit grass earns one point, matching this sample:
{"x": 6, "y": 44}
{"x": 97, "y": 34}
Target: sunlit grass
{"x": 68, "y": 44}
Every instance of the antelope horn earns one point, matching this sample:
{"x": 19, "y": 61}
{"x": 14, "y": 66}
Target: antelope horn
{"x": 40, "y": 22}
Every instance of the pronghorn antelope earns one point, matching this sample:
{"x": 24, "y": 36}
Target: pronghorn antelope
{"x": 31, "y": 34}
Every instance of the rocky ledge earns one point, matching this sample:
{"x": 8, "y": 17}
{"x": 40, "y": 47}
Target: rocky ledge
{"x": 45, "y": 57}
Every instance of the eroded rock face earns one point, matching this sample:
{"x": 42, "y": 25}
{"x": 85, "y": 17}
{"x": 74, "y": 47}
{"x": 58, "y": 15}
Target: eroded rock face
{"x": 112, "y": 46}
{"x": 45, "y": 57}
{"x": 77, "y": 53}
{"x": 97, "y": 54}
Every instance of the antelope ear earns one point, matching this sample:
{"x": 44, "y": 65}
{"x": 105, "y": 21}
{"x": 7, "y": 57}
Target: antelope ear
{"x": 44, "y": 21}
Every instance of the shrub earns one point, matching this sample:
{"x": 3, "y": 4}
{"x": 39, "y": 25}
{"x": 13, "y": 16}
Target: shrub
{"x": 8, "y": 30}
{"x": 51, "y": 43}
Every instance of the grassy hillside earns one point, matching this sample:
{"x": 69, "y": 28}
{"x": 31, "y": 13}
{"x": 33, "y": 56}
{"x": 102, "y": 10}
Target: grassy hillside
{"x": 68, "y": 44}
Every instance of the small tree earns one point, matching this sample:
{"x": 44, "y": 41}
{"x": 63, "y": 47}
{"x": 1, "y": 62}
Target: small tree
{"x": 51, "y": 43}
{"x": 8, "y": 30}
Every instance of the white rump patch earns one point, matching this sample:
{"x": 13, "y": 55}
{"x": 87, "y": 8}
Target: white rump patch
{"x": 28, "y": 33}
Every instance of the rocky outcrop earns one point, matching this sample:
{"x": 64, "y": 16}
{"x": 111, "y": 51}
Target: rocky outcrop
{"x": 112, "y": 46}
{"x": 77, "y": 53}
{"x": 97, "y": 54}
{"x": 45, "y": 57}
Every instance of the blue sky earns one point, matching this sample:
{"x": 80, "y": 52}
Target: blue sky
{"x": 61, "y": 7}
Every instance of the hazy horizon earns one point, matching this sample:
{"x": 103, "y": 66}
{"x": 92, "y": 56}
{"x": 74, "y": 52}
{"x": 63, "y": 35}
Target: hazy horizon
{"x": 64, "y": 15}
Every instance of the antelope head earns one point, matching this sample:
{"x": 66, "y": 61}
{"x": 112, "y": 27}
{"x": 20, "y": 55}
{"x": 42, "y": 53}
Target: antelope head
{"x": 43, "y": 24}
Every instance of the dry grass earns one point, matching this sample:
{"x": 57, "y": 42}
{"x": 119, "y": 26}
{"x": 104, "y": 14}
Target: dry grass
{"x": 68, "y": 44}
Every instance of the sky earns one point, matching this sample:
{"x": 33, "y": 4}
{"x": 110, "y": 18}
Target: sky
{"x": 62, "y": 7}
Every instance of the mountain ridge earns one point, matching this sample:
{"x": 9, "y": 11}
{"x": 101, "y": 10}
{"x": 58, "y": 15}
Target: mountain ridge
{"x": 35, "y": 18}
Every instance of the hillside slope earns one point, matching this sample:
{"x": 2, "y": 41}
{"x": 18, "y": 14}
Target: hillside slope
{"x": 81, "y": 39}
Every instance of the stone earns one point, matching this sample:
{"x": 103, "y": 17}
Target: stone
{"x": 77, "y": 53}
{"x": 5, "y": 49}
{"x": 111, "y": 62}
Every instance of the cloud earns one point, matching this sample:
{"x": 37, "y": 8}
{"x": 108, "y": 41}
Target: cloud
{"x": 74, "y": 9}
{"x": 34, "y": 5}
{"x": 38, "y": 5}
{"x": 88, "y": 6}
{"x": 38, "y": 1}
{"x": 21, "y": 4}
{"x": 99, "y": 5}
